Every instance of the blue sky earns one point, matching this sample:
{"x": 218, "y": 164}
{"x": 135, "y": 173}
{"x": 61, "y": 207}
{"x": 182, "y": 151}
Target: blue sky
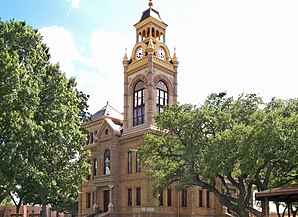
{"x": 222, "y": 45}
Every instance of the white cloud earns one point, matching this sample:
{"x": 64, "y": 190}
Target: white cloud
{"x": 101, "y": 75}
{"x": 108, "y": 49}
{"x": 222, "y": 46}
{"x": 62, "y": 47}
{"x": 75, "y": 3}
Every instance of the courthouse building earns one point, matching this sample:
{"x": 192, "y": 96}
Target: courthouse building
{"x": 117, "y": 185}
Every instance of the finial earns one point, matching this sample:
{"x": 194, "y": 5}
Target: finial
{"x": 175, "y": 59}
{"x": 125, "y": 58}
{"x": 150, "y": 3}
{"x": 150, "y": 47}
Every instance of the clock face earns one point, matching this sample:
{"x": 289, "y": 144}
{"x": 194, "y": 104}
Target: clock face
{"x": 139, "y": 53}
{"x": 161, "y": 53}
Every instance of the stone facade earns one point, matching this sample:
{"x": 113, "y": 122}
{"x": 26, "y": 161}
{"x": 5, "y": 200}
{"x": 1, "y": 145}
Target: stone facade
{"x": 117, "y": 185}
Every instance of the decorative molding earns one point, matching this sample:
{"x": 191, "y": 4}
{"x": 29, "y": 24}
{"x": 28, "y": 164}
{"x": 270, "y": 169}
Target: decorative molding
{"x": 164, "y": 65}
{"x": 137, "y": 64}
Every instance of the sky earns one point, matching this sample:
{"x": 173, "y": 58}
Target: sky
{"x": 237, "y": 46}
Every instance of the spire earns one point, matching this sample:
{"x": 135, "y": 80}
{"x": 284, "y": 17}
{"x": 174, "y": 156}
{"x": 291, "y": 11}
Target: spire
{"x": 125, "y": 58}
{"x": 150, "y": 3}
{"x": 175, "y": 59}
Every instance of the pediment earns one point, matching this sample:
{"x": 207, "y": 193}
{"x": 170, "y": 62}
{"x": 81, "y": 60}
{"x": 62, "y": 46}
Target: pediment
{"x": 108, "y": 129}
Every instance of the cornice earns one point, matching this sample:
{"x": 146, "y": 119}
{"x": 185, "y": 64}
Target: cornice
{"x": 135, "y": 133}
{"x": 164, "y": 65}
{"x": 149, "y": 20}
{"x": 137, "y": 65}
{"x": 87, "y": 147}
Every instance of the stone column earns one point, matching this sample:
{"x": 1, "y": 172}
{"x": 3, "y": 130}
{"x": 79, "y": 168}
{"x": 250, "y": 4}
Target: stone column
{"x": 95, "y": 203}
{"x": 111, "y": 206}
{"x": 176, "y": 63}
{"x": 125, "y": 67}
{"x": 150, "y": 94}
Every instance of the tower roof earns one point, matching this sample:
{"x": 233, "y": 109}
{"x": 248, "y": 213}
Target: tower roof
{"x": 150, "y": 12}
{"x": 108, "y": 111}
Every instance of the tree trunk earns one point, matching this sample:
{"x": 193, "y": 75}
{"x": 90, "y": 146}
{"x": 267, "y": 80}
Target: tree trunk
{"x": 44, "y": 210}
{"x": 18, "y": 205}
{"x": 6, "y": 192}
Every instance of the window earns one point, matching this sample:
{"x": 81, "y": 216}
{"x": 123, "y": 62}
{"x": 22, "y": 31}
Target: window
{"x": 91, "y": 138}
{"x": 139, "y": 104}
{"x": 138, "y": 162}
{"x": 184, "y": 198}
{"x": 160, "y": 197}
{"x": 138, "y": 196}
{"x": 94, "y": 167}
{"x": 169, "y": 197}
{"x": 200, "y": 198}
{"x": 129, "y": 197}
{"x": 207, "y": 199}
{"x": 161, "y": 96}
{"x": 129, "y": 161}
{"x": 107, "y": 163}
{"x": 88, "y": 200}
{"x": 89, "y": 175}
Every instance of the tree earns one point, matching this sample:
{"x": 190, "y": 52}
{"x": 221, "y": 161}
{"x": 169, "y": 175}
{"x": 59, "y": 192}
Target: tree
{"x": 40, "y": 125}
{"x": 242, "y": 142}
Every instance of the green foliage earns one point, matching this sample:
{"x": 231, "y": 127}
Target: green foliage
{"x": 241, "y": 142}
{"x": 40, "y": 124}
{"x": 7, "y": 202}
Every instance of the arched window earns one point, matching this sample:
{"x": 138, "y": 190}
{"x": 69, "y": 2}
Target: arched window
{"x": 157, "y": 34}
{"x": 161, "y": 96}
{"x": 153, "y": 32}
{"x": 148, "y": 32}
{"x": 107, "y": 163}
{"x": 94, "y": 167}
{"x": 162, "y": 38}
{"x": 139, "y": 104}
{"x": 129, "y": 162}
{"x": 138, "y": 162}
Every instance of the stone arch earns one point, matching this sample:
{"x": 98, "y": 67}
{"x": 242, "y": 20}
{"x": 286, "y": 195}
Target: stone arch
{"x": 135, "y": 81}
{"x": 164, "y": 79}
{"x": 167, "y": 52}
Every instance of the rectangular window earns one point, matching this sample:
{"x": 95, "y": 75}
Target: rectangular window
{"x": 160, "y": 197}
{"x": 184, "y": 198}
{"x": 129, "y": 161}
{"x": 169, "y": 197}
{"x": 129, "y": 197}
{"x": 138, "y": 196}
{"x": 207, "y": 199}
{"x": 88, "y": 200}
{"x": 200, "y": 198}
{"x": 138, "y": 162}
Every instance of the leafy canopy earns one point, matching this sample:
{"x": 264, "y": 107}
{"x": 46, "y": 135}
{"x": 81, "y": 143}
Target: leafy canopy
{"x": 242, "y": 143}
{"x": 40, "y": 123}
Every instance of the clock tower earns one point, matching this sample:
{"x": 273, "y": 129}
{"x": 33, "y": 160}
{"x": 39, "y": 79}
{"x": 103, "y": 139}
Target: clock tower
{"x": 117, "y": 185}
{"x": 150, "y": 74}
